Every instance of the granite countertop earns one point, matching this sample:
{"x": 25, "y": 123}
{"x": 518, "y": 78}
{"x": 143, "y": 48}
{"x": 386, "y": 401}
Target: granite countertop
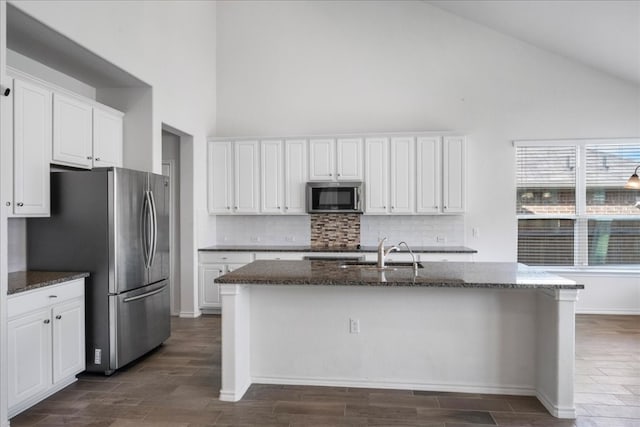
{"x": 416, "y": 249}
{"x": 434, "y": 274}
{"x": 22, "y": 281}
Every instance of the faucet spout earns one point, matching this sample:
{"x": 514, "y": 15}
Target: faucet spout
{"x": 381, "y": 253}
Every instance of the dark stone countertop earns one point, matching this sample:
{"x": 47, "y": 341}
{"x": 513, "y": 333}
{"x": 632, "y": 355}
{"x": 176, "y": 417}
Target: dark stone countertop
{"x": 434, "y": 274}
{"x": 22, "y": 281}
{"x": 416, "y": 249}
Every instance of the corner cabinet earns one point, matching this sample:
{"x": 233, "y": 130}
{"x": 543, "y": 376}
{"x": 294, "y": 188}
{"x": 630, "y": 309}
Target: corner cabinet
{"x": 233, "y": 176}
{"x": 46, "y": 343}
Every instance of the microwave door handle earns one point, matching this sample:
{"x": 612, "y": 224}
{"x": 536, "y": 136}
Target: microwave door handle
{"x": 357, "y": 199}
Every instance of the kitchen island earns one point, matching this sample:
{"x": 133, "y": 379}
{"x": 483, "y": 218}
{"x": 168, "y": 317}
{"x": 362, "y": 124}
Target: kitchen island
{"x": 500, "y": 328}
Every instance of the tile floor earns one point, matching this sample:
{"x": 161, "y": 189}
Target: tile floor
{"x": 177, "y": 386}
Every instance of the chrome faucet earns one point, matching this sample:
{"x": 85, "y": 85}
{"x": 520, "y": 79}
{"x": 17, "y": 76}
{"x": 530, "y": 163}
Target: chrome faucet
{"x": 413, "y": 257}
{"x": 382, "y": 254}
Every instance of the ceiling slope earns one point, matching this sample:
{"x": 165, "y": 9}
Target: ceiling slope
{"x": 604, "y": 35}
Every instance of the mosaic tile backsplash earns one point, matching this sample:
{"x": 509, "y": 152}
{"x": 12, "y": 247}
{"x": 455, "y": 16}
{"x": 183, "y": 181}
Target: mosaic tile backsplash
{"x": 335, "y": 230}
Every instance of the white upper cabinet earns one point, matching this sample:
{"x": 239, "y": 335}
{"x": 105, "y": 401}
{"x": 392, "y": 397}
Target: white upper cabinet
{"x": 295, "y": 176}
{"x": 428, "y": 174}
{"x": 321, "y": 160}
{"x": 31, "y": 149}
{"x": 271, "y": 174}
{"x": 403, "y": 176}
{"x": 246, "y": 177}
{"x": 220, "y": 177}
{"x": 349, "y": 159}
{"x": 335, "y": 160}
{"x": 72, "y": 132}
{"x": 454, "y": 165}
{"x": 107, "y": 138}
{"x": 376, "y": 175}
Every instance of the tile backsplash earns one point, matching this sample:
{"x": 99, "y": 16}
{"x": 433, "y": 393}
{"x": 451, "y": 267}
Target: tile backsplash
{"x": 271, "y": 230}
{"x": 331, "y": 230}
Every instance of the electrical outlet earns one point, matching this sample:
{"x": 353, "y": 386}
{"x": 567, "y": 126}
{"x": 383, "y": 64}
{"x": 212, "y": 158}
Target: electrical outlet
{"x": 441, "y": 239}
{"x": 475, "y": 231}
{"x": 97, "y": 356}
{"x": 225, "y": 239}
{"x": 255, "y": 239}
{"x": 354, "y": 326}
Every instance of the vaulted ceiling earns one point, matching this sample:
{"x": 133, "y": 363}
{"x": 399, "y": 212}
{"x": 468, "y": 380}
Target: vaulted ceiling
{"x": 603, "y": 34}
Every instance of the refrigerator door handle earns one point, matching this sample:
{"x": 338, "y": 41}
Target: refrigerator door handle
{"x": 146, "y": 232}
{"x": 145, "y": 295}
{"x": 154, "y": 228}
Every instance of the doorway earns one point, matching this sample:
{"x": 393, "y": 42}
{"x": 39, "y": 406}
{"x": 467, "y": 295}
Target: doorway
{"x": 171, "y": 168}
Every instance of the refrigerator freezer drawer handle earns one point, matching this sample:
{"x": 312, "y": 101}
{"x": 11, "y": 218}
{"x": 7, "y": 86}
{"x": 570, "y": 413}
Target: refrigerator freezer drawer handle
{"x": 145, "y": 295}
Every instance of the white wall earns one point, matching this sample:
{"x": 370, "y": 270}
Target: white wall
{"x": 332, "y": 67}
{"x": 169, "y": 45}
{"x": 339, "y": 67}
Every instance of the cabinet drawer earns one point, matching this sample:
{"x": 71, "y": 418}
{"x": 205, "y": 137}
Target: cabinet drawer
{"x": 291, "y": 256}
{"x": 44, "y": 297}
{"x": 226, "y": 257}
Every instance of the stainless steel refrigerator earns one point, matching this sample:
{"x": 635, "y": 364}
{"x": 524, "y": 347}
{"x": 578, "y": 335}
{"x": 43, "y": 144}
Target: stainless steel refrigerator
{"x": 113, "y": 223}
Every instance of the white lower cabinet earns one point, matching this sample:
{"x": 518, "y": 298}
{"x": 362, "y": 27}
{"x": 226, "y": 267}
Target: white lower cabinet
{"x": 212, "y": 265}
{"x": 46, "y": 342}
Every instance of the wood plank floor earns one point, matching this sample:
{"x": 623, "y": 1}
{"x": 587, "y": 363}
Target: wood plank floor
{"x": 177, "y": 386}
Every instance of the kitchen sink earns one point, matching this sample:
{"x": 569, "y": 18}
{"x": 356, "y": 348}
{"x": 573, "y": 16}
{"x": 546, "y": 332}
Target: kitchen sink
{"x": 389, "y": 266}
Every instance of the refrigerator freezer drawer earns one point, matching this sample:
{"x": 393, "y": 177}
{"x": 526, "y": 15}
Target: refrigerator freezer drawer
{"x": 142, "y": 322}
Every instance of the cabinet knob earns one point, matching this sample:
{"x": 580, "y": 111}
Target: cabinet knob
{"x": 436, "y": 206}
{"x": 59, "y": 316}
{"x": 20, "y": 204}
{"x": 330, "y": 174}
{"x": 89, "y": 158}
{"x": 278, "y": 207}
{"x": 8, "y": 203}
{"x": 97, "y": 159}
{"x": 235, "y": 207}
{"x": 46, "y": 321}
{"x": 228, "y": 207}
{"x": 338, "y": 174}
{"x": 445, "y": 207}
{"x": 7, "y": 91}
{"x": 286, "y": 208}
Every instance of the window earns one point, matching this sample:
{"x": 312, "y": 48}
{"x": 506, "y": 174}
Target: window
{"x": 573, "y": 215}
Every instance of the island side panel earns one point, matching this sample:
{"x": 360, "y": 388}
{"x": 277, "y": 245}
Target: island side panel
{"x": 236, "y": 316}
{"x": 555, "y": 362}
{"x": 444, "y": 339}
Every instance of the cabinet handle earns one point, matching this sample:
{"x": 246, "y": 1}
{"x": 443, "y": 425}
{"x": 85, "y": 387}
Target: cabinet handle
{"x": 7, "y": 91}
{"x": 53, "y": 296}
{"x": 59, "y": 316}
{"x": 89, "y": 158}
{"x": 46, "y": 321}
{"x": 20, "y": 204}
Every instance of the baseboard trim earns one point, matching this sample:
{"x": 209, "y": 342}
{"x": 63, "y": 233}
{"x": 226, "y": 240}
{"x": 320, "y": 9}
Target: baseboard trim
{"x": 231, "y": 396}
{"x": 343, "y": 382}
{"x": 189, "y": 314}
{"x": 556, "y": 411}
{"x": 611, "y": 312}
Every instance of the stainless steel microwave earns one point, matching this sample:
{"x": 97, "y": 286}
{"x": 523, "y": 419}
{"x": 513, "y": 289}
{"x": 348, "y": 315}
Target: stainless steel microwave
{"x": 334, "y": 197}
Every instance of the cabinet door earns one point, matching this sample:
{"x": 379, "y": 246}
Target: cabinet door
{"x": 29, "y": 347}
{"x": 107, "y": 139}
{"x": 428, "y": 175}
{"x": 453, "y": 174}
{"x": 209, "y": 290}
{"x": 72, "y": 138}
{"x": 246, "y": 177}
{"x": 220, "y": 177}
{"x": 68, "y": 339}
{"x": 295, "y": 176}
{"x": 403, "y": 176}
{"x": 349, "y": 159}
{"x": 271, "y": 174}
{"x": 31, "y": 149}
{"x": 376, "y": 175}
{"x": 321, "y": 159}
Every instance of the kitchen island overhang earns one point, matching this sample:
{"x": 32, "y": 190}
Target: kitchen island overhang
{"x": 499, "y": 328}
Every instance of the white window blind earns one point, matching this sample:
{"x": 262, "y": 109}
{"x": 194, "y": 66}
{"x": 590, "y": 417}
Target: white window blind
{"x": 570, "y": 215}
